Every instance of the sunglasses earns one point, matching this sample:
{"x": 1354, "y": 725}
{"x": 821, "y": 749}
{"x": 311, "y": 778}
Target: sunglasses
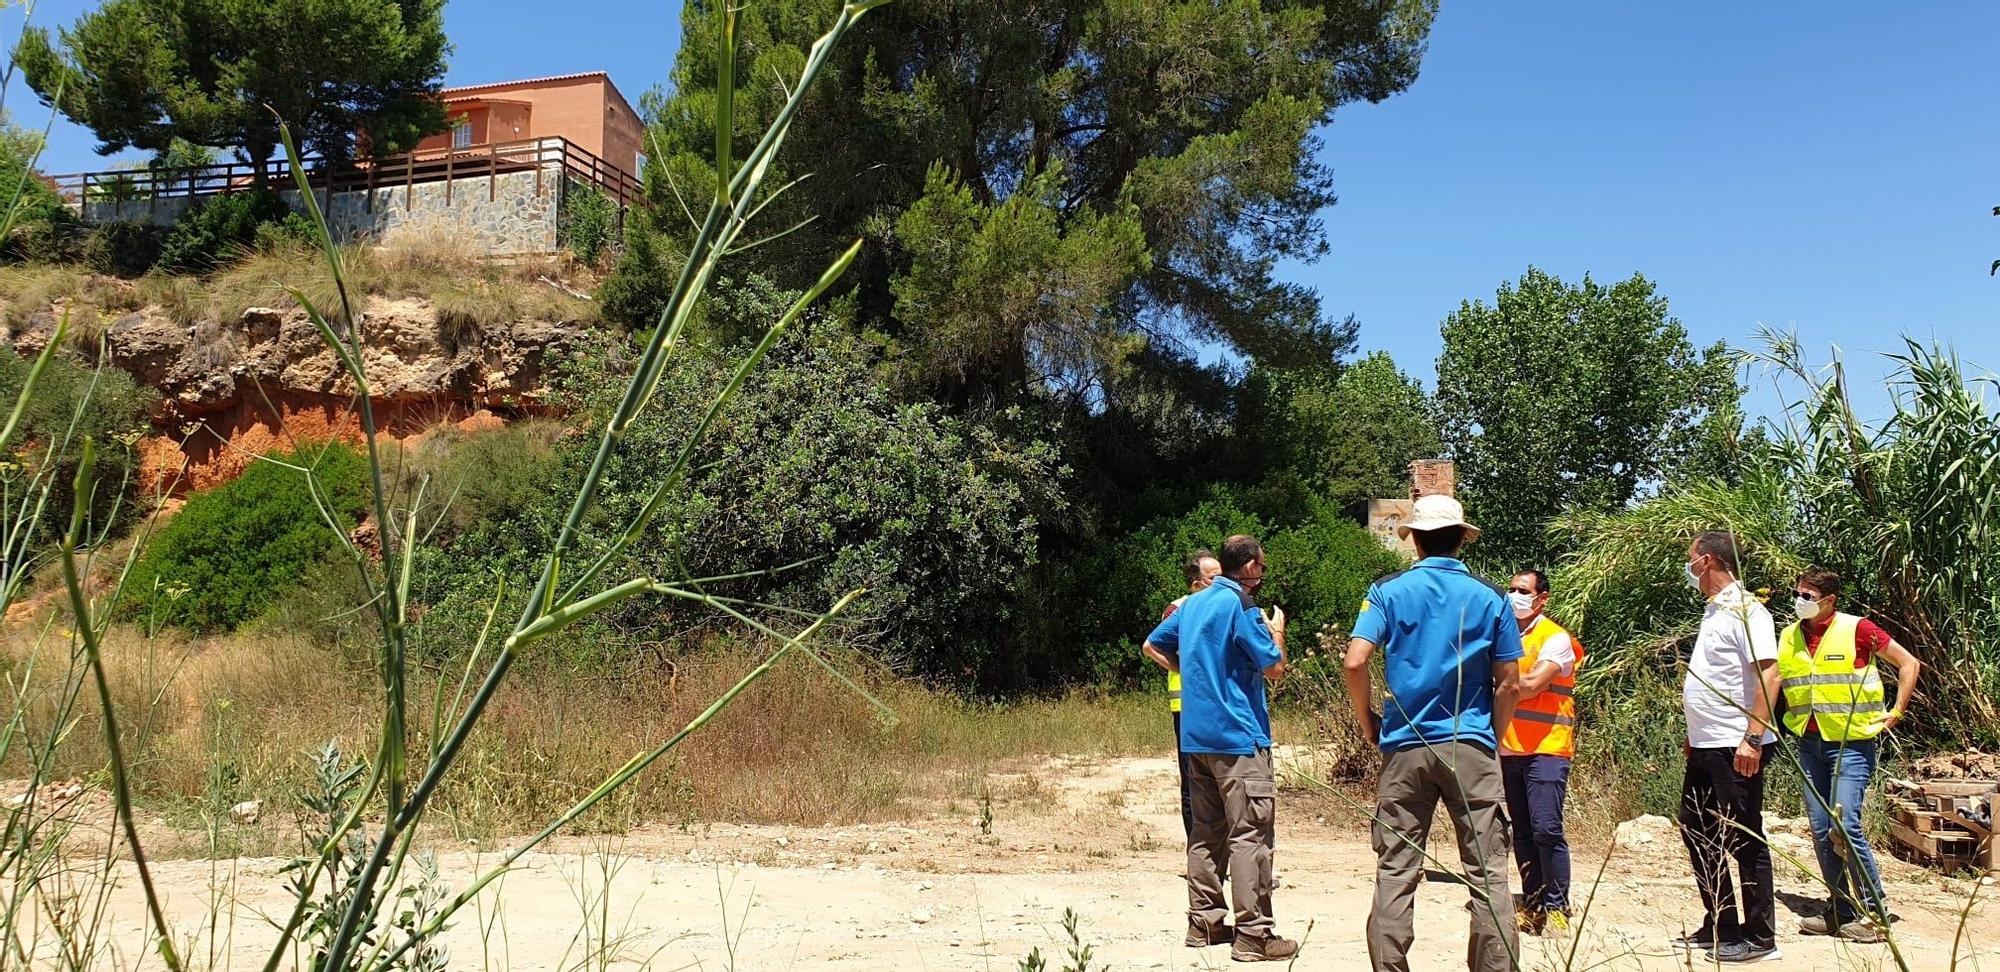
{"x": 1802, "y": 595}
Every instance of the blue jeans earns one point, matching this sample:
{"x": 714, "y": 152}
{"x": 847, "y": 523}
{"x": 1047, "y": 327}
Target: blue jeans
{"x": 1535, "y": 786}
{"x": 1837, "y": 776}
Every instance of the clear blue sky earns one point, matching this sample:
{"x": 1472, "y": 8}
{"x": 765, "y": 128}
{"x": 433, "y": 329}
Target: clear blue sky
{"x": 1826, "y": 166}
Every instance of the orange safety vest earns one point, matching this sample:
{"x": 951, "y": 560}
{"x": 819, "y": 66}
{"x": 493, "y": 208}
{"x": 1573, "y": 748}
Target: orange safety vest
{"x": 1545, "y": 723}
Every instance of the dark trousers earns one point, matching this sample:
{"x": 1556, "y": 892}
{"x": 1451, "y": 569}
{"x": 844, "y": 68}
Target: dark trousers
{"x": 1722, "y": 817}
{"x": 1536, "y": 786}
{"x": 1187, "y": 806}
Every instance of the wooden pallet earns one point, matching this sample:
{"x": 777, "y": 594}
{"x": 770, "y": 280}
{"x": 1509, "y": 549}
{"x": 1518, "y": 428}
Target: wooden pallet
{"x": 1947, "y": 825}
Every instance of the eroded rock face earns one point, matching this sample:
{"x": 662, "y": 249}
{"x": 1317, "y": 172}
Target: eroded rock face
{"x": 209, "y": 368}
{"x": 268, "y": 381}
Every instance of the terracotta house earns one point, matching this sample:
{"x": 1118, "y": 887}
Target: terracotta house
{"x": 585, "y": 109}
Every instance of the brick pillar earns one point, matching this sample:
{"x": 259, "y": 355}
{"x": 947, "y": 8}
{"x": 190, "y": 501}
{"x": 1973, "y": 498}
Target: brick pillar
{"x": 1428, "y": 476}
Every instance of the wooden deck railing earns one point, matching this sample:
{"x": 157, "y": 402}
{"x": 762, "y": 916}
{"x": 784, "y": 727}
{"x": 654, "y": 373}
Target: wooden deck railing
{"x": 453, "y": 167}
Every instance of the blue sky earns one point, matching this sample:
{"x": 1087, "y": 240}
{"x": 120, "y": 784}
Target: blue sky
{"x": 1830, "y": 167}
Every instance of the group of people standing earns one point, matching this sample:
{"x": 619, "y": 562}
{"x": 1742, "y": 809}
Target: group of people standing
{"x": 1479, "y": 715}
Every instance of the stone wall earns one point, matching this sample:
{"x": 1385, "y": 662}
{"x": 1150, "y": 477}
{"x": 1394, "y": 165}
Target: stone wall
{"x": 513, "y": 213}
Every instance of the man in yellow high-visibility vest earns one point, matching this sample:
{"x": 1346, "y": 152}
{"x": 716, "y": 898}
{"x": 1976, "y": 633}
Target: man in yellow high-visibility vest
{"x": 1535, "y": 756}
{"x": 1835, "y": 704}
{"x": 1201, "y": 568}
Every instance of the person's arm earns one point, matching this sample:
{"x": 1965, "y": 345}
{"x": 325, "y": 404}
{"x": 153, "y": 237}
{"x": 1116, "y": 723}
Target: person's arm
{"x": 1163, "y": 646}
{"x": 1907, "y": 668}
{"x": 1557, "y": 655}
{"x": 1537, "y": 680}
{"x": 1360, "y": 694}
{"x": 1750, "y": 752}
{"x": 1506, "y": 694}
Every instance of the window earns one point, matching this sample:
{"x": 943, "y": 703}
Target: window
{"x": 461, "y": 135}
{"x": 638, "y": 163}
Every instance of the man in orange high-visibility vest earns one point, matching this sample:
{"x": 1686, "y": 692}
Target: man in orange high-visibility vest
{"x": 1535, "y": 757}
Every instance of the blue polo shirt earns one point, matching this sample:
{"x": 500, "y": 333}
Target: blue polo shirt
{"x": 1223, "y": 646}
{"x": 1440, "y": 631}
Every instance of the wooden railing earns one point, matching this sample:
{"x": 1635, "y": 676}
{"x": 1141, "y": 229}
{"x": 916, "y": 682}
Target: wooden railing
{"x": 542, "y": 156}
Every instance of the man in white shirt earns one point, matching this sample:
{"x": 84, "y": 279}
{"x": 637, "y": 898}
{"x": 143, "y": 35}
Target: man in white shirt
{"x": 1732, "y": 680}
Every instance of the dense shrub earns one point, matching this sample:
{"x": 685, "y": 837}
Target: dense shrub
{"x": 233, "y": 549}
{"x": 588, "y": 222}
{"x": 1317, "y": 570}
{"x": 813, "y": 462}
{"x": 123, "y": 249}
{"x": 642, "y": 281}
{"x": 71, "y": 401}
{"x": 218, "y": 232}
{"x": 34, "y": 201}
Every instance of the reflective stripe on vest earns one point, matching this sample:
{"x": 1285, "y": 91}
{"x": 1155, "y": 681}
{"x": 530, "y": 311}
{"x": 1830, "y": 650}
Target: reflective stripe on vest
{"x": 1173, "y": 691}
{"x": 1842, "y": 702}
{"x": 1545, "y": 723}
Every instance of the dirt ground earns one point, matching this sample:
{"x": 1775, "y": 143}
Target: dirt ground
{"x": 1100, "y": 838}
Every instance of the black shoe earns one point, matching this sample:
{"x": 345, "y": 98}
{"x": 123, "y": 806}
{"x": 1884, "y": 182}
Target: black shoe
{"x": 1734, "y": 953}
{"x": 1703, "y": 940}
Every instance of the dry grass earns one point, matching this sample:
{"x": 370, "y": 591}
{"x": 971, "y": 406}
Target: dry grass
{"x": 212, "y": 722}
{"x": 474, "y": 293}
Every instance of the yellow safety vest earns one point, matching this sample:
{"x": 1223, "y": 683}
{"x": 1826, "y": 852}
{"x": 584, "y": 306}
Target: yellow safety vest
{"x": 1545, "y": 723}
{"x": 1844, "y": 702}
{"x": 1174, "y": 677}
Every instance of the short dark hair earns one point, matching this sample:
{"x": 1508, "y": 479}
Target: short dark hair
{"x": 1193, "y": 566}
{"x": 1723, "y": 546}
{"x": 1441, "y": 542}
{"x": 1238, "y": 551}
{"x": 1820, "y": 579}
{"x": 1541, "y": 579}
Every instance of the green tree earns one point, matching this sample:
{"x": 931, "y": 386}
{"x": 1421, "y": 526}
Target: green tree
{"x": 1053, "y": 188}
{"x": 144, "y": 73}
{"x": 1565, "y": 396}
{"x": 1345, "y": 434}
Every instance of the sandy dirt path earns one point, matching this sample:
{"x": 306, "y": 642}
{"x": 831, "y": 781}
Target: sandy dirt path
{"x": 1100, "y": 838}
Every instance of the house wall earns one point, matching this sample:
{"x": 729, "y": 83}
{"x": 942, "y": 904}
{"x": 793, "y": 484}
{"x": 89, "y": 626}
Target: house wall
{"x": 587, "y": 111}
{"x": 508, "y": 214}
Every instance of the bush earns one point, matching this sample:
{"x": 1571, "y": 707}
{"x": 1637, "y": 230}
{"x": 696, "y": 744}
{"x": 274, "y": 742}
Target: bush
{"x": 220, "y": 231}
{"x": 232, "y": 550}
{"x": 1317, "y": 570}
{"x": 294, "y": 232}
{"x": 641, "y": 283}
{"x": 124, "y": 249}
{"x": 587, "y": 223}
{"x": 813, "y": 462}
{"x": 71, "y": 401}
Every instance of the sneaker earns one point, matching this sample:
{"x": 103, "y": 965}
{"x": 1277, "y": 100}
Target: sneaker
{"x": 1820, "y": 924}
{"x": 1861, "y": 932}
{"x": 1270, "y": 948}
{"x": 1703, "y": 941}
{"x": 1555, "y": 924}
{"x": 1737, "y": 953}
{"x": 1200, "y": 935}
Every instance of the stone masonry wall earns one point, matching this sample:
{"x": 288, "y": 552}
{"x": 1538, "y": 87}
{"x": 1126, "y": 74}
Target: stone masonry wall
{"x": 514, "y": 213}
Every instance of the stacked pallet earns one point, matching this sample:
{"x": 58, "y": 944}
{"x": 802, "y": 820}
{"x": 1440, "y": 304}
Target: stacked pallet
{"x": 1946, "y": 824}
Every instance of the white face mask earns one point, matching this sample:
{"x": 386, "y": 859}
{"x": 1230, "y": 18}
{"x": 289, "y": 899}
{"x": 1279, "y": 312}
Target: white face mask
{"x": 1693, "y": 579}
{"x": 1524, "y": 604}
{"x": 1806, "y": 610}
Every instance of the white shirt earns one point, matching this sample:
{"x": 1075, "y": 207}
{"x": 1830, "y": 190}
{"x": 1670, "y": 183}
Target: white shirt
{"x": 1722, "y": 680}
{"x": 1560, "y": 650}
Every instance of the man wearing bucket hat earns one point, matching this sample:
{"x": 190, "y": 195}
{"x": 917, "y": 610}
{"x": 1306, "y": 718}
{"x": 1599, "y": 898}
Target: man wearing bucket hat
{"x": 1451, "y": 652}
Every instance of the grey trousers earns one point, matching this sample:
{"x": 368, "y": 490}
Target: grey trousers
{"x": 1235, "y": 819}
{"x": 1466, "y": 777}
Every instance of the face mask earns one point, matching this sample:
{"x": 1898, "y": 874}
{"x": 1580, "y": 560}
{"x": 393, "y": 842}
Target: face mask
{"x": 1693, "y": 579}
{"x": 1524, "y": 604}
{"x": 1807, "y": 610}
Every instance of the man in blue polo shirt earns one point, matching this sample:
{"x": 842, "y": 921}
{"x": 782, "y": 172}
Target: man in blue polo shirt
{"x": 1451, "y": 657}
{"x": 1224, "y": 649}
